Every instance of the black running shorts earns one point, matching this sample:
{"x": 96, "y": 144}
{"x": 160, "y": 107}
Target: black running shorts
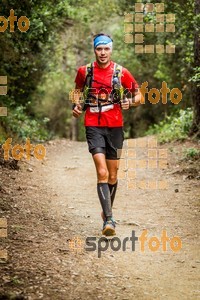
{"x": 107, "y": 140}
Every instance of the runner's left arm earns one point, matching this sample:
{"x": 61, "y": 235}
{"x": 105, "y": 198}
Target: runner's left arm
{"x": 137, "y": 99}
{"x": 134, "y": 96}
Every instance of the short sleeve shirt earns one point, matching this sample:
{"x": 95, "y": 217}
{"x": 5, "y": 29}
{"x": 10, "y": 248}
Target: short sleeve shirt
{"x": 102, "y": 81}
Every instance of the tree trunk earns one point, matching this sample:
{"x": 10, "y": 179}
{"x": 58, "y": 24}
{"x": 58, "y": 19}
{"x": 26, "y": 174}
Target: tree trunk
{"x": 74, "y": 129}
{"x": 195, "y": 130}
{"x": 74, "y": 121}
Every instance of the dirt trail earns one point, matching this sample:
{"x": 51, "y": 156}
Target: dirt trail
{"x": 53, "y": 201}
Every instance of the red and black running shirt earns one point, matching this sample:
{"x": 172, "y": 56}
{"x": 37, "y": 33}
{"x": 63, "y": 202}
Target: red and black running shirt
{"x": 102, "y": 79}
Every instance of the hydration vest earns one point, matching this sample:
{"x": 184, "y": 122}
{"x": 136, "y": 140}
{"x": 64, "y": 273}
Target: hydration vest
{"x": 116, "y": 94}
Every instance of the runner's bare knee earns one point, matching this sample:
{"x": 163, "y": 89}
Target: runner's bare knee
{"x": 112, "y": 178}
{"x": 102, "y": 173}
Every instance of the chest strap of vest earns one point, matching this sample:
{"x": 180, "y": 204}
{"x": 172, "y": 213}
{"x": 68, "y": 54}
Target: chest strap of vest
{"x": 117, "y": 90}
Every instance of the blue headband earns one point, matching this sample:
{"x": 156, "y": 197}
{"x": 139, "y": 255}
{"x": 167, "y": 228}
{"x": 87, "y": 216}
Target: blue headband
{"x": 102, "y": 39}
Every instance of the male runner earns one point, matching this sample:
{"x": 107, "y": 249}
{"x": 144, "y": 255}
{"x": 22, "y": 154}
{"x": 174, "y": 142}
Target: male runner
{"x": 104, "y": 122}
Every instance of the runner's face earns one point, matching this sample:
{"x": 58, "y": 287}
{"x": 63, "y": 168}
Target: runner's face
{"x": 103, "y": 54}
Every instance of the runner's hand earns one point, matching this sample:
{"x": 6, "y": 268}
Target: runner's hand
{"x": 125, "y": 103}
{"x": 77, "y": 111}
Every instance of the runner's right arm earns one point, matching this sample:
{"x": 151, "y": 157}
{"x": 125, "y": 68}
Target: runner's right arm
{"x": 77, "y": 109}
{"x": 79, "y": 80}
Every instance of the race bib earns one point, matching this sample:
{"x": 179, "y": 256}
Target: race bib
{"x": 103, "y": 108}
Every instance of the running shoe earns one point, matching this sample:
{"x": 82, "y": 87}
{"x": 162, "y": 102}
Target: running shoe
{"x": 109, "y": 228}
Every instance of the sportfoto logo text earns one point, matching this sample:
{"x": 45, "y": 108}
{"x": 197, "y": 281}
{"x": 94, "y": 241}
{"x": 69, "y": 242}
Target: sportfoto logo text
{"x": 18, "y": 151}
{"x": 102, "y": 244}
{"x": 153, "y": 95}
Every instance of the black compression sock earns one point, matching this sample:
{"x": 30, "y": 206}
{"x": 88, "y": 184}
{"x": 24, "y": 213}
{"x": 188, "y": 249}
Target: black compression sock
{"x": 113, "y": 188}
{"x": 104, "y": 197}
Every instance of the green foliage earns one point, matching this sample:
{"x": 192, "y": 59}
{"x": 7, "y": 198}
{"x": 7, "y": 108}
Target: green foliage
{"x": 174, "y": 127}
{"x": 73, "y": 49}
{"x": 16, "y": 281}
{"x": 192, "y": 153}
{"x": 20, "y": 126}
{"x": 41, "y": 64}
{"x": 196, "y": 77}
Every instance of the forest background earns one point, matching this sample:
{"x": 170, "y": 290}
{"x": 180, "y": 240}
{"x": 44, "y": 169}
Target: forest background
{"x": 41, "y": 66}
